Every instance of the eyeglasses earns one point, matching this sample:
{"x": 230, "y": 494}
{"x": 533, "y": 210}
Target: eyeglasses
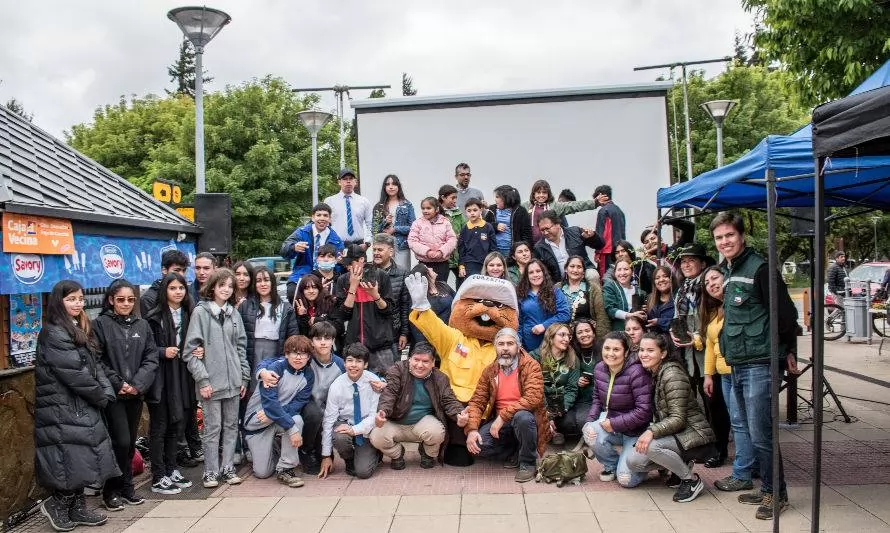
{"x": 299, "y": 355}
{"x": 124, "y": 299}
{"x": 545, "y": 229}
{"x": 464, "y": 174}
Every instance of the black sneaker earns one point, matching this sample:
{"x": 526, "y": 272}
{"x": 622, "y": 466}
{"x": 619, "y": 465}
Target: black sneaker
{"x": 607, "y": 475}
{"x": 524, "y": 473}
{"x": 198, "y": 455}
{"x": 425, "y": 460}
{"x": 130, "y": 498}
{"x": 230, "y": 477}
{"x": 165, "y": 486}
{"x": 752, "y": 498}
{"x": 80, "y": 515}
{"x": 113, "y": 502}
{"x": 179, "y": 480}
{"x": 512, "y": 462}
{"x": 56, "y": 511}
{"x": 310, "y": 463}
{"x": 673, "y": 481}
{"x": 399, "y": 462}
{"x": 689, "y": 489}
{"x": 184, "y": 459}
{"x": 350, "y": 467}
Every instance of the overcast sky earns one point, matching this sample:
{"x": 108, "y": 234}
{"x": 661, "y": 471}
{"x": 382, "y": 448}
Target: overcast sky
{"x": 63, "y": 59}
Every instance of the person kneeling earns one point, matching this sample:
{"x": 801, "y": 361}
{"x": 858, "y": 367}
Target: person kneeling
{"x": 349, "y": 416}
{"x": 680, "y": 432}
{"x": 275, "y": 412}
{"x": 413, "y": 408}
{"x": 621, "y": 409}
{"x": 512, "y": 389}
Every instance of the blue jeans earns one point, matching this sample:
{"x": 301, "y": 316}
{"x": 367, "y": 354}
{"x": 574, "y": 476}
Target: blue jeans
{"x": 751, "y": 388}
{"x": 519, "y": 433}
{"x": 744, "y": 452}
{"x": 604, "y": 449}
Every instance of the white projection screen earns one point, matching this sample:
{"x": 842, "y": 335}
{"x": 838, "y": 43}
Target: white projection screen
{"x": 573, "y": 138}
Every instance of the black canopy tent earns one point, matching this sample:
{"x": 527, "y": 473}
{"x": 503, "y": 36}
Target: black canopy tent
{"x": 851, "y": 127}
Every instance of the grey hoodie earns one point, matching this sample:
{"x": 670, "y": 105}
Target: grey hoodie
{"x": 224, "y": 365}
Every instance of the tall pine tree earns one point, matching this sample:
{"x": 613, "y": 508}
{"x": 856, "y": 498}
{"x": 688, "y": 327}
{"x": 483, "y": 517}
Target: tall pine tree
{"x": 182, "y": 72}
{"x": 408, "y": 85}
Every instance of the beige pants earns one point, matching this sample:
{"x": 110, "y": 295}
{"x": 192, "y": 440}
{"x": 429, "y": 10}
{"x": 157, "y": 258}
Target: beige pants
{"x": 428, "y": 431}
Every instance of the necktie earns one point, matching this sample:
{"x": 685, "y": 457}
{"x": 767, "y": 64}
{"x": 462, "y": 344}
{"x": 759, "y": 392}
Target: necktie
{"x": 349, "y": 228}
{"x": 315, "y": 251}
{"x": 357, "y": 410}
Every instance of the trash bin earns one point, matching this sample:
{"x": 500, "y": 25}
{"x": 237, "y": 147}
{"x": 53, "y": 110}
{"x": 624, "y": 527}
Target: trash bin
{"x": 856, "y": 312}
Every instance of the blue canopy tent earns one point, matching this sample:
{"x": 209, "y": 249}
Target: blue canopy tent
{"x": 848, "y": 181}
{"x": 847, "y": 170}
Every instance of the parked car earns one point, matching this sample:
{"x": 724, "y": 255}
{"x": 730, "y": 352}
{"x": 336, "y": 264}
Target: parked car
{"x": 873, "y": 273}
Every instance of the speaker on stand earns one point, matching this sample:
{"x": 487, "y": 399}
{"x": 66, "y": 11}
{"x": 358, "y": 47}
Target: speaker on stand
{"x": 213, "y": 213}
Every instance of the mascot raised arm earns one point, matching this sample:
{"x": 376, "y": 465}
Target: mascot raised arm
{"x": 482, "y": 306}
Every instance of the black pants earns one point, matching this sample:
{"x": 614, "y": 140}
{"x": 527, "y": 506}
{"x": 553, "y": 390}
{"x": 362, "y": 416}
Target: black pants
{"x": 312, "y": 418}
{"x": 718, "y": 416}
{"x": 571, "y": 423}
{"x": 190, "y": 430}
{"x": 440, "y": 268}
{"x": 123, "y": 417}
{"x": 163, "y": 440}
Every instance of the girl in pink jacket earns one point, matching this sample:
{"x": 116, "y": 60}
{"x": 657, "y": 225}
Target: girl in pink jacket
{"x": 432, "y": 238}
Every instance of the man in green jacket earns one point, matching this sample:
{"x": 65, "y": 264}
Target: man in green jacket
{"x": 745, "y": 343}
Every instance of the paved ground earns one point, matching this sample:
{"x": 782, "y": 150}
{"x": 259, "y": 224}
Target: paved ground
{"x": 484, "y": 498}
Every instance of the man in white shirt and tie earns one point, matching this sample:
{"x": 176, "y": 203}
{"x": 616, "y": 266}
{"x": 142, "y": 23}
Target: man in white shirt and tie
{"x": 351, "y": 212}
{"x": 349, "y": 416}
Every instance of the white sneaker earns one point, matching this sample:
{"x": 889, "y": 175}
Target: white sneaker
{"x": 230, "y": 477}
{"x": 210, "y": 480}
{"x": 165, "y": 486}
{"x": 179, "y": 480}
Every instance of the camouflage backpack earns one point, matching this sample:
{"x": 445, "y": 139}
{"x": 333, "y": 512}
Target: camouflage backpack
{"x": 562, "y": 468}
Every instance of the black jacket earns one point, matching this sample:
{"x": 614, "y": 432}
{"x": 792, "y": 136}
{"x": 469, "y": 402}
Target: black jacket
{"x": 173, "y": 383}
{"x": 128, "y": 349}
{"x": 367, "y": 323}
{"x": 575, "y": 245}
{"x": 72, "y": 445}
{"x": 400, "y": 313}
{"x": 835, "y": 278}
{"x": 287, "y": 326}
{"x": 149, "y": 299}
{"x": 520, "y": 224}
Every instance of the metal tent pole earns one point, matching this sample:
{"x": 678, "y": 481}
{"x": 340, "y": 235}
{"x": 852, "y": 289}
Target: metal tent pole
{"x": 818, "y": 324}
{"x": 775, "y": 376}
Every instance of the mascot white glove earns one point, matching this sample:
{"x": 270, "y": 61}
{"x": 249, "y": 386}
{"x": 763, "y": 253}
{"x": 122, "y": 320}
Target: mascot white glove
{"x": 418, "y": 288}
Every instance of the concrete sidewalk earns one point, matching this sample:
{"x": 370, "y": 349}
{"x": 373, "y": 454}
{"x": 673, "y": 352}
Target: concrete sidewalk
{"x": 484, "y": 497}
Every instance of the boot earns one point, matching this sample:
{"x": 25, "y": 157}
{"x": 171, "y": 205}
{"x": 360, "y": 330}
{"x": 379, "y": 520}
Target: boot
{"x": 82, "y": 516}
{"x": 55, "y": 508}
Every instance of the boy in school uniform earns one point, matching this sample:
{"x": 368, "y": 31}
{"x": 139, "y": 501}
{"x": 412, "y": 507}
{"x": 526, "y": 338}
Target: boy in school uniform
{"x": 476, "y": 240}
{"x": 349, "y": 417}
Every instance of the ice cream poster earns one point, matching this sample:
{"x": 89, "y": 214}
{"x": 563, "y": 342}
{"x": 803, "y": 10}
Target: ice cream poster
{"x": 25, "y": 318}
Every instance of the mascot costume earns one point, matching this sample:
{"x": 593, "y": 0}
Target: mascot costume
{"x": 482, "y": 306}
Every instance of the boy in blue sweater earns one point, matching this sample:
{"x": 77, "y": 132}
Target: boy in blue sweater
{"x": 274, "y": 412}
{"x": 303, "y": 244}
{"x": 476, "y": 240}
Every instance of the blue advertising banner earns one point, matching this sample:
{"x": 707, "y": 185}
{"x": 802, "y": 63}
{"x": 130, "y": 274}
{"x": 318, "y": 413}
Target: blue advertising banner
{"x": 96, "y": 262}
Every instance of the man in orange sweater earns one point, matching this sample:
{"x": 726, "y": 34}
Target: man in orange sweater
{"x": 511, "y": 392}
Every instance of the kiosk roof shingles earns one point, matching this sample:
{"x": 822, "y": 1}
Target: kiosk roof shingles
{"x": 42, "y": 175}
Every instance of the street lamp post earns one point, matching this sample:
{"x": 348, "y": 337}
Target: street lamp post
{"x": 199, "y": 25}
{"x": 874, "y": 221}
{"x": 718, "y": 110}
{"x": 314, "y": 121}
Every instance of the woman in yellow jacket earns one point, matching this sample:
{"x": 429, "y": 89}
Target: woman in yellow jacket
{"x": 711, "y": 310}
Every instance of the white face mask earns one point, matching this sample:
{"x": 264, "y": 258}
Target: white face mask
{"x": 326, "y": 266}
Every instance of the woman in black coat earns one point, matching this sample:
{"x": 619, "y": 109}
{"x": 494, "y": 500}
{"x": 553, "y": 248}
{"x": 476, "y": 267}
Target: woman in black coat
{"x": 130, "y": 360}
{"x": 72, "y": 445}
{"x": 171, "y": 398}
{"x": 509, "y": 219}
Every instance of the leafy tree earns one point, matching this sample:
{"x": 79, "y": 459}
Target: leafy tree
{"x": 16, "y": 107}
{"x": 408, "y": 85}
{"x": 828, "y": 46}
{"x": 182, "y": 72}
{"x": 255, "y": 149}
{"x": 377, "y": 93}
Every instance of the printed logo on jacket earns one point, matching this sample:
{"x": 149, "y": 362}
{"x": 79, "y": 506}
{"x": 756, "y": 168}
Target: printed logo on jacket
{"x": 95, "y": 262}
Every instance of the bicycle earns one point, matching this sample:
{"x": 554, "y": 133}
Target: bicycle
{"x": 836, "y": 322}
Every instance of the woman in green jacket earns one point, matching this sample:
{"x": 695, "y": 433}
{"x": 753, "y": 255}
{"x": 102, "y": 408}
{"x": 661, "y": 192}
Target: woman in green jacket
{"x": 622, "y": 297}
{"x": 680, "y": 431}
{"x": 561, "y": 373}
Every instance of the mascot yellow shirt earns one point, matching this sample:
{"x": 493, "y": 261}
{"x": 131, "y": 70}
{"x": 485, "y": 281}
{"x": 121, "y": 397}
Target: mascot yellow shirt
{"x": 481, "y": 307}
